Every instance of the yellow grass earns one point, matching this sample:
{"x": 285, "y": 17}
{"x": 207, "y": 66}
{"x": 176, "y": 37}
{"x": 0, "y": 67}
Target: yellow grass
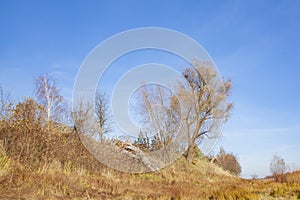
{"x": 182, "y": 180}
{"x": 67, "y": 171}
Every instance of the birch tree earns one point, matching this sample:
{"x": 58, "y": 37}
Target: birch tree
{"x": 5, "y": 103}
{"x": 48, "y": 95}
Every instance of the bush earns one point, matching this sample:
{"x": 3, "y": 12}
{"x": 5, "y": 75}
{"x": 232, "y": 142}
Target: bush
{"x": 228, "y": 162}
{"x": 31, "y": 140}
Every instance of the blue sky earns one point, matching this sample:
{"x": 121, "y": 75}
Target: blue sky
{"x": 256, "y": 43}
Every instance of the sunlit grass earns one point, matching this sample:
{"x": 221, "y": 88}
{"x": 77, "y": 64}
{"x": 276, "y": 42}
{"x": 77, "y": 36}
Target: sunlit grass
{"x": 71, "y": 173}
{"x": 182, "y": 180}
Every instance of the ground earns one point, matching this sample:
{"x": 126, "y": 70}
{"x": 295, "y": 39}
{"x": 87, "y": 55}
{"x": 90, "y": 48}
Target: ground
{"x": 182, "y": 180}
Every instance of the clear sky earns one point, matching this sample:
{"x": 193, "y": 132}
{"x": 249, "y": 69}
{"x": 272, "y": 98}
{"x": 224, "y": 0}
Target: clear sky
{"x": 257, "y": 43}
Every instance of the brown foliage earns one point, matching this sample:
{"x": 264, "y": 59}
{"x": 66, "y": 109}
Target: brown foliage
{"x": 22, "y": 132}
{"x": 35, "y": 142}
{"x": 228, "y": 162}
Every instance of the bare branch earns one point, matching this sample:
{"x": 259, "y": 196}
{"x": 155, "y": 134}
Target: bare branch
{"x": 48, "y": 95}
{"x": 5, "y": 103}
{"x": 103, "y": 114}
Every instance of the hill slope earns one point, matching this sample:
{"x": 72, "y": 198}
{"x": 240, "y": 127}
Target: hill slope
{"x": 62, "y": 169}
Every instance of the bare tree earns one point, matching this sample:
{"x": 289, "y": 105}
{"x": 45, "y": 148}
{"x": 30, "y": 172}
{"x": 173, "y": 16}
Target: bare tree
{"x": 103, "y": 114}
{"x": 48, "y": 95}
{"x": 278, "y": 168}
{"x": 83, "y": 118}
{"x": 204, "y": 104}
{"x": 160, "y": 114}
{"x": 87, "y": 122}
{"x": 5, "y": 103}
{"x": 197, "y": 108}
{"x": 254, "y": 176}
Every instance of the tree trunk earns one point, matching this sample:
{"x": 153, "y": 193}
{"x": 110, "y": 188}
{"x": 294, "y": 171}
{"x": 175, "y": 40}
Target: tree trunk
{"x": 191, "y": 152}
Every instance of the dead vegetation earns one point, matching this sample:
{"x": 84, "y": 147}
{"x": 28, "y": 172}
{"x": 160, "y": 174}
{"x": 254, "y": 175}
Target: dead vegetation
{"x": 43, "y": 159}
{"x": 63, "y": 169}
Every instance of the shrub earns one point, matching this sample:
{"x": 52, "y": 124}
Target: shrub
{"x": 35, "y": 142}
{"x": 228, "y": 162}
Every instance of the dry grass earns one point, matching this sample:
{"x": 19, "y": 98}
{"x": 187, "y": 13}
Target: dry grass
{"x": 182, "y": 180}
{"x": 65, "y": 170}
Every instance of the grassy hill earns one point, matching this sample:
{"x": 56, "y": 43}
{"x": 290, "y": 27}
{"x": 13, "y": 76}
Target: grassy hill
{"x": 61, "y": 168}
